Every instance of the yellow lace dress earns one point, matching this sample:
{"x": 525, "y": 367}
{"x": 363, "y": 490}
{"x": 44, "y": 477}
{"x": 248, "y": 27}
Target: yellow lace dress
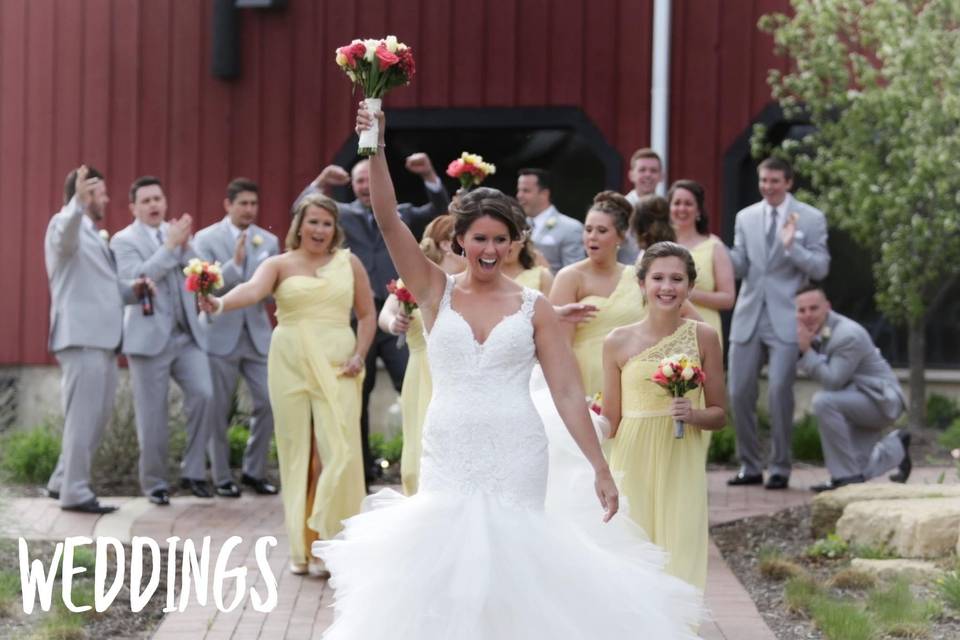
{"x": 703, "y": 258}
{"x": 310, "y": 399}
{"x": 623, "y": 306}
{"x": 664, "y": 479}
{"x": 530, "y": 278}
{"x": 414, "y": 399}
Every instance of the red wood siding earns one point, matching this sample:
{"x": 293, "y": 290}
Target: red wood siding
{"x": 125, "y": 85}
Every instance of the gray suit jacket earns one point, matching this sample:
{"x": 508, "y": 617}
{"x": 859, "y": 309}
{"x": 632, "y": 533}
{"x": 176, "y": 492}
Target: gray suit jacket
{"x": 559, "y": 238}
{"x": 848, "y": 357}
{"x": 773, "y": 280}
{"x": 137, "y": 253}
{"x": 216, "y": 244}
{"x": 86, "y": 296}
{"x": 366, "y": 242}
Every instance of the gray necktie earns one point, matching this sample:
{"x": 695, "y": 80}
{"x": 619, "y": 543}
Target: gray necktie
{"x": 159, "y": 237}
{"x": 772, "y": 231}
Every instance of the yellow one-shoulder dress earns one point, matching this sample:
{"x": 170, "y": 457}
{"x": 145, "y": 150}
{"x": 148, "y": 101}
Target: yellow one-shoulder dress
{"x": 414, "y": 399}
{"x": 663, "y": 478}
{"x": 310, "y": 399}
{"x": 703, "y": 259}
{"x": 530, "y": 278}
{"x": 622, "y": 307}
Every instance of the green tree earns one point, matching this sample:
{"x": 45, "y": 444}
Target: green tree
{"x": 879, "y": 80}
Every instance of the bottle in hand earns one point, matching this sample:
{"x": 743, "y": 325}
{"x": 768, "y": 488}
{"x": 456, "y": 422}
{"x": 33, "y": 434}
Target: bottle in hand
{"x": 146, "y": 298}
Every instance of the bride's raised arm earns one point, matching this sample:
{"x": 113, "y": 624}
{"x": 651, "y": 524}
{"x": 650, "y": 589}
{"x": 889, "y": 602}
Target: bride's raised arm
{"x": 424, "y": 279}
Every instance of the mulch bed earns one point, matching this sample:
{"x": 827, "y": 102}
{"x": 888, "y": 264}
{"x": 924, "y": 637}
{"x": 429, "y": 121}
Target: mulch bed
{"x": 117, "y": 621}
{"x": 788, "y": 531}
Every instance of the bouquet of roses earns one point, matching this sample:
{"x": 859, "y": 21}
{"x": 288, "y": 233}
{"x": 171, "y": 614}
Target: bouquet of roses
{"x": 470, "y": 169}
{"x": 596, "y": 403}
{"x": 678, "y": 375}
{"x": 407, "y": 301}
{"x": 203, "y": 278}
{"x": 376, "y": 66}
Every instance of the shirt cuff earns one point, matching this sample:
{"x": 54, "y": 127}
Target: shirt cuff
{"x": 434, "y": 185}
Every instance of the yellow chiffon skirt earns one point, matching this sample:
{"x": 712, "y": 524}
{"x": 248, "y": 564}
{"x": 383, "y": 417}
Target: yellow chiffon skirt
{"x": 664, "y": 480}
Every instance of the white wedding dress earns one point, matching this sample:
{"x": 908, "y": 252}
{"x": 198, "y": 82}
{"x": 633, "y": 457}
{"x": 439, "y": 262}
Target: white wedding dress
{"x": 474, "y": 555}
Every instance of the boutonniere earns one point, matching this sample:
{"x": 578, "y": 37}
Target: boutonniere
{"x": 104, "y": 235}
{"x": 551, "y": 223}
{"x": 257, "y": 240}
{"x": 825, "y": 334}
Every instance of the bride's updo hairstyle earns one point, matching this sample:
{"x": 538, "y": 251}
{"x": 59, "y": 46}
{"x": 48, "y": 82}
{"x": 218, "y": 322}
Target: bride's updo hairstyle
{"x": 616, "y": 206}
{"x": 482, "y": 202}
{"x": 667, "y": 250}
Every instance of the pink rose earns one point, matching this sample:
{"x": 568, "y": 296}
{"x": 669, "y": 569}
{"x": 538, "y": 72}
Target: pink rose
{"x": 386, "y": 58}
{"x": 455, "y": 168}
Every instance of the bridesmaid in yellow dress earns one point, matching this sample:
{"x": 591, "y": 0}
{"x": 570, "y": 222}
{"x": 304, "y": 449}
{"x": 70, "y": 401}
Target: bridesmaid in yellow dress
{"x": 522, "y": 265}
{"x": 599, "y": 280}
{"x": 417, "y": 387}
{"x": 315, "y": 372}
{"x": 664, "y": 478}
{"x": 714, "y": 291}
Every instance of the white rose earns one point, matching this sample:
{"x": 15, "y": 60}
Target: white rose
{"x": 104, "y": 234}
{"x": 687, "y": 373}
{"x": 392, "y": 44}
{"x": 956, "y": 454}
{"x": 667, "y": 371}
{"x": 371, "y": 53}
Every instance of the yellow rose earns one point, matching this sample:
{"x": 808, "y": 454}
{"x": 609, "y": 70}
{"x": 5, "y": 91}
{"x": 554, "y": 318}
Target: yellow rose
{"x": 104, "y": 234}
{"x": 341, "y": 59}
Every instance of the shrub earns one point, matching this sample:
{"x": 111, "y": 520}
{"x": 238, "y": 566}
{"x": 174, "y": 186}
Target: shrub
{"x": 799, "y": 594}
{"x": 723, "y": 445}
{"x": 806, "y": 440}
{"x": 833, "y": 546}
{"x": 941, "y": 410}
{"x": 237, "y": 437}
{"x": 950, "y": 439}
{"x": 389, "y": 450}
{"x": 773, "y": 566}
{"x": 29, "y": 456}
{"x": 871, "y": 552}
{"x": 841, "y": 620}
{"x": 949, "y": 588}
{"x": 116, "y": 461}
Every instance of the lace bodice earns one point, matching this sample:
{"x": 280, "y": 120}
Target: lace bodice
{"x": 482, "y": 432}
{"x": 641, "y": 397}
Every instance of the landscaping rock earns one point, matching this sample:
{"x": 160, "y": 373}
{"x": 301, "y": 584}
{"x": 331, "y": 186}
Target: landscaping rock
{"x": 911, "y": 570}
{"x": 828, "y": 506}
{"x": 923, "y": 528}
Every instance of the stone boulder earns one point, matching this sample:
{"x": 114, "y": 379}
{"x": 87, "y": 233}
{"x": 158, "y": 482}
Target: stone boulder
{"x": 911, "y": 570}
{"x": 922, "y": 528}
{"x": 828, "y": 506}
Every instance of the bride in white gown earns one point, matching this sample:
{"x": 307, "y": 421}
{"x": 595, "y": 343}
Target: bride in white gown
{"x": 474, "y": 555}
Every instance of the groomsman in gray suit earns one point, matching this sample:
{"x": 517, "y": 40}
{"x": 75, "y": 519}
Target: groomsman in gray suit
{"x": 646, "y": 172}
{"x": 86, "y": 312}
{"x": 169, "y": 342}
{"x": 238, "y": 341}
{"x": 558, "y": 237}
{"x": 779, "y": 244}
{"x": 362, "y": 236}
{"x": 860, "y": 398}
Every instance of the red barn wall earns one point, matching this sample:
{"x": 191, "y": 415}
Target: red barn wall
{"x": 125, "y": 85}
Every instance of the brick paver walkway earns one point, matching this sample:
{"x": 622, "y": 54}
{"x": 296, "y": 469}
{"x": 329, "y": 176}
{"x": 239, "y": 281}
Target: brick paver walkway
{"x": 303, "y": 610}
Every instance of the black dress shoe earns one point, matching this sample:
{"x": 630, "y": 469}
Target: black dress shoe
{"x": 228, "y": 490}
{"x": 777, "y": 481}
{"x": 160, "y": 497}
{"x": 91, "y": 506}
{"x": 199, "y": 488}
{"x": 906, "y": 465}
{"x": 259, "y": 485}
{"x": 836, "y": 483}
{"x": 745, "y": 479}
{"x": 50, "y": 493}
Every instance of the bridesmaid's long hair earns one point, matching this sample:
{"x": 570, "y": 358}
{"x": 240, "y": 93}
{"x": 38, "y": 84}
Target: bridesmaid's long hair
{"x": 323, "y": 202}
{"x": 650, "y": 222}
{"x": 438, "y": 231}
